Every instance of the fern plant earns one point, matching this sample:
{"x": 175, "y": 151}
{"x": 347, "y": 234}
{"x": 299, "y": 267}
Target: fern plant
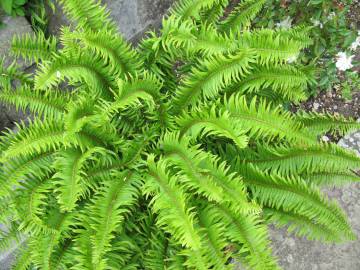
{"x": 176, "y": 154}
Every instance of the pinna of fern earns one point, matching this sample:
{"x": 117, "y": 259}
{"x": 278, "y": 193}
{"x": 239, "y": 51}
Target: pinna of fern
{"x": 176, "y": 154}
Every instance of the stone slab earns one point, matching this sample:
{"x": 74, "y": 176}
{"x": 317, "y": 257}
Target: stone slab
{"x": 133, "y": 17}
{"x": 12, "y": 26}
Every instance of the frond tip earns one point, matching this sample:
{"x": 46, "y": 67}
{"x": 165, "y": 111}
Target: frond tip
{"x": 213, "y": 122}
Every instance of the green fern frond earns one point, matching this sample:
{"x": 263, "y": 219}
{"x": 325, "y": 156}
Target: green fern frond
{"x": 299, "y": 160}
{"x": 213, "y": 14}
{"x": 331, "y": 179}
{"x": 213, "y": 122}
{"x": 186, "y": 37}
{"x": 251, "y": 234}
{"x": 297, "y": 196}
{"x": 34, "y": 164}
{"x": 10, "y": 74}
{"x": 112, "y": 201}
{"x": 188, "y": 161}
{"x": 34, "y": 48}
{"x": 145, "y": 88}
{"x": 213, "y": 236}
{"x": 319, "y": 124}
{"x": 107, "y": 45}
{"x": 169, "y": 202}
{"x": 286, "y": 81}
{"x": 272, "y": 48}
{"x": 38, "y": 137}
{"x": 31, "y": 204}
{"x": 43, "y": 103}
{"x": 211, "y": 76}
{"x": 90, "y": 15}
{"x": 8, "y": 236}
{"x": 44, "y": 245}
{"x": 77, "y": 67}
{"x": 191, "y": 8}
{"x": 261, "y": 120}
{"x": 23, "y": 259}
{"x": 81, "y": 122}
{"x": 242, "y": 15}
{"x": 156, "y": 255}
{"x": 298, "y": 33}
{"x": 301, "y": 225}
{"x": 174, "y": 155}
{"x": 71, "y": 176}
{"x": 200, "y": 171}
{"x": 82, "y": 259}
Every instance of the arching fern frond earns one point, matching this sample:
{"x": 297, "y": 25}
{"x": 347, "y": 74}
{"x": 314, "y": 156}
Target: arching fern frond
{"x": 189, "y": 39}
{"x": 169, "y": 202}
{"x": 299, "y": 160}
{"x": 211, "y": 76}
{"x": 110, "y": 204}
{"x": 319, "y": 124}
{"x": 34, "y": 48}
{"x": 300, "y": 225}
{"x": 22, "y": 166}
{"x": 8, "y": 236}
{"x": 109, "y": 46}
{"x": 251, "y": 234}
{"x": 331, "y": 179}
{"x": 89, "y": 15}
{"x": 298, "y": 33}
{"x": 71, "y": 176}
{"x": 31, "y": 204}
{"x": 273, "y": 48}
{"x": 296, "y": 196}
{"x": 201, "y": 171}
{"x": 286, "y": 81}
{"x": 48, "y": 103}
{"x": 164, "y": 156}
{"x": 212, "y": 122}
{"x": 23, "y": 259}
{"x": 264, "y": 121}
{"x": 38, "y": 137}
{"x": 139, "y": 89}
{"x": 191, "y": 8}
{"x": 77, "y": 67}
{"x": 187, "y": 160}
{"x": 44, "y": 245}
{"x": 10, "y": 74}
{"x": 213, "y": 237}
{"x": 242, "y": 15}
{"x": 213, "y": 14}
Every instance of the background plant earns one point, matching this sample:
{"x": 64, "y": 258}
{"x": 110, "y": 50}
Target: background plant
{"x": 329, "y": 29}
{"x": 176, "y": 154}
{"x": 34, "y": 10}
{"x": 13, "y": 7}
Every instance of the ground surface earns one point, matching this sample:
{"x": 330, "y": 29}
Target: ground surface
{"x": 133, "y": 18}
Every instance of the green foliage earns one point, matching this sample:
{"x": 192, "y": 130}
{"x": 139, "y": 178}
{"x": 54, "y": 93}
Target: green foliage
{"x": 176, "y": 154}
{"x": 330, "y": 30}
{"x": 13, "y": 7}
{"x": 33, "y": 48}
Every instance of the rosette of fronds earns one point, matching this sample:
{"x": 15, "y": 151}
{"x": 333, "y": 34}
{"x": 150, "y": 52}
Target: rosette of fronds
{"x": 176, "y": 154}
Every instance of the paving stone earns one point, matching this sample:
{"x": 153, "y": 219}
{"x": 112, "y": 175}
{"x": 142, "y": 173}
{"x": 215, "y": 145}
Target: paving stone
{"x": 13, "y": 26}
{"x": 133, "y": 17}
